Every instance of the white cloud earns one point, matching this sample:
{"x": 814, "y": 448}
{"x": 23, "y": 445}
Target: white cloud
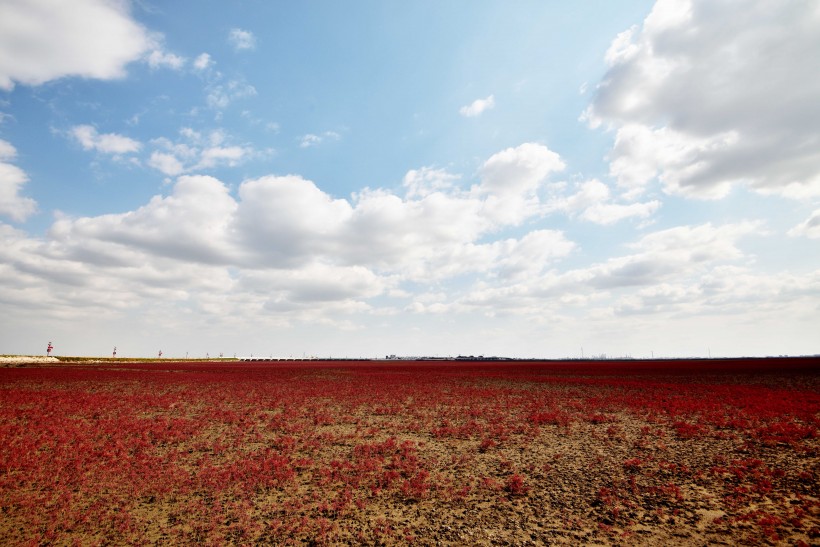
{"x": 203, "y": 61}
{"x": 589, "y": 194}
{"x": 425, "y": 181}
{"x": 12, "y": 180}
{"x": 221, "y": 95}
{"x": 287, "y": 220}
{"x": 306, "y": 141}
{"x": 309, "y": 140}
{"x": 166, "y": 163}
{"x": 519, "y": 170}
{"x": 430, "y": 237}
{"x": 227, "y": 155}
{"x": 609, "y": 213}
{"x": 313, "y": 284}
{"x": 511, "y": 179}
{"x": 241, "y": 39}
{"x": 477, "y": 107}
{"x": 42, "y": 40}
{"x": 161, "y": 59}
{"x": 592, "y": 202}
{"x": 676, "y": 261}
{"x": 529, "y": 255}
{"x": 640, "y": 154}
{"x": 189, "y": 225}
{"x": 7, "y": 151}
{"x": 197, "y": 152}
{"x": 281, "y": 245}
{"x": 281, "y": 251}
{"x": 708, "y": 94}
{"x": 808, "y": 228}
{"x": 697, "y": 243}
{"x": 107, "y": 143}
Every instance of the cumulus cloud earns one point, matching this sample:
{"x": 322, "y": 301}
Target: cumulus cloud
{"x": 107, "y": 143}
{"x": 592, "y": 202}
{"x": 12, "y": 179}
{"x": 219, "y": 96}
{"x": 706, "y": 95}
{"x": 589, "y": 194}
{"x": 189, "y": 225}
{"x": 241, "y": 39}
{"x": 426, "y": 238}
{"x": 288, "y": 221}
{"x": 529, "y": 255}
{"x": 609, "y": 213}
{"x": 281, "y": 244}
{"x": 285, "y": 221}
{"x": 315, "y": 283}
{"x": 672, "y": 271}
{"x": 203, "y": 61}
{"x": 163, "y": 59}
{"x": 67, "y": 276}
{"x": 42, "y": 40}
{"x": 196, "y": 152}
{"x": 519, "y": 170}
{"x": 808, "y": 228}
{"x": 427, "y": 180}
{"x": 280, "y": 251}
{"x": 306, "y": 141}
{"x": 704, "y": 241}
{"x": 7, "y": 151}
{"x": 166, "y": 163}
{"x": 673, "y": 253}
{"x": 215, "y": 155}
{"x": 512, "y": 178}
{"x": 477, "y": 107}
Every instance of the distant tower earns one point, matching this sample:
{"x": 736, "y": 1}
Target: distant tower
{"x": 49, "y": 348}
{"x": 160, "y": 354}
{"x": 115, "y": 352}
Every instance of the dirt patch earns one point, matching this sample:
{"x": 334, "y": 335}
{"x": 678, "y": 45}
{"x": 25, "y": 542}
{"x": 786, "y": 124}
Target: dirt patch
{"x": 15, "y": 360}
{"x": 377, "y": 455}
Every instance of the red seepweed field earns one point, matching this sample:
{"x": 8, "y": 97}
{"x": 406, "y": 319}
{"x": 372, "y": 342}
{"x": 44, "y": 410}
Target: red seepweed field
{"x": 397, "y": 452}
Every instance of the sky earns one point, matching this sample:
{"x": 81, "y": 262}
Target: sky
{"x": 359, "y": 179}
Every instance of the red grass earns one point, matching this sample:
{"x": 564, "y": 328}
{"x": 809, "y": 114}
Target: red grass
{"x": 272, "y": 452}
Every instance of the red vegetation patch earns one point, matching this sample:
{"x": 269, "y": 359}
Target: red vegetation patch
{"x": 375, "y": 452}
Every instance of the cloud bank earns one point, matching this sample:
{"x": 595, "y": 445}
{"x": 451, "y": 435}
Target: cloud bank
{"x": 279, "y": 250}
{"x": 42, "y": 40}
{"x": 12, "y": 179}
{"x": 708, "y": 95}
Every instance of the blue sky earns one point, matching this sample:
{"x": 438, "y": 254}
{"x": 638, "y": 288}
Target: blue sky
{"x": 418, "y": 178}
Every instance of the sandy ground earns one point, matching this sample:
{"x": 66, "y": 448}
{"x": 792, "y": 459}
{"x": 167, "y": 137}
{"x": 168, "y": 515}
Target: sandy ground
{"x": 11, "y": 360}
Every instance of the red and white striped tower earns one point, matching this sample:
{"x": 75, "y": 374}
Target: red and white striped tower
{"x": 49, "y": 348}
